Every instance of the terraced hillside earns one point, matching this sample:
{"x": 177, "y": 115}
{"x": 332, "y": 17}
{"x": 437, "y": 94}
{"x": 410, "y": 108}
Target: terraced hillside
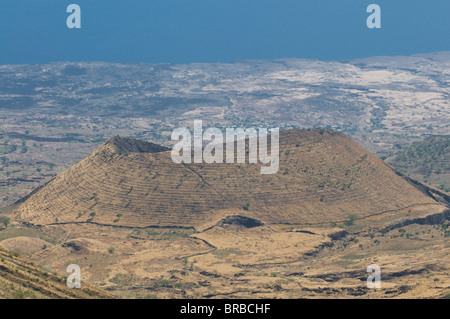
{"x": 323, "y": 177}
{"x": 20, "y": 279}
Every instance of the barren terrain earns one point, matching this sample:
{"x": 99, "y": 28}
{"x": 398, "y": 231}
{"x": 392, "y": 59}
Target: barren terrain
{"x": 141, "y": 226}
{"x": 170, "y": 243}
{"x": 53, "y": 115}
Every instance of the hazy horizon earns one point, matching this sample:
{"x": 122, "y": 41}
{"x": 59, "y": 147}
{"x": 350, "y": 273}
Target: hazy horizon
{"x": 203, "y": 31}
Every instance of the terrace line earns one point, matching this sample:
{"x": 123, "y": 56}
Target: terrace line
{"x": 213, "y": 151}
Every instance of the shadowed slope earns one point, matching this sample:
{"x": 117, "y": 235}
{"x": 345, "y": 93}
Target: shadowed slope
{"x": 323, "y": 177}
